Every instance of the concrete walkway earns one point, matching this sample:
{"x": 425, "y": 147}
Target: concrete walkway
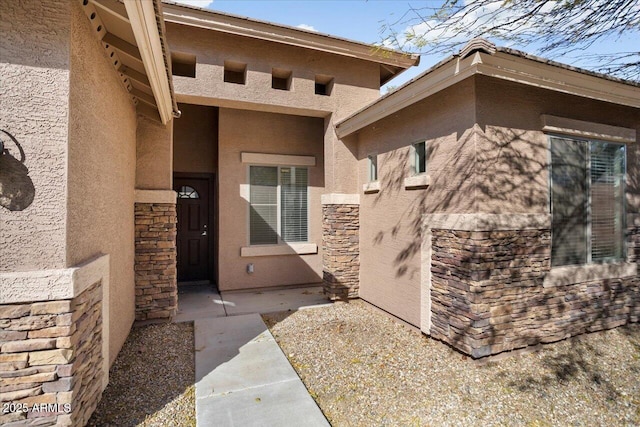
{"x": 244, "y": 379}
{"x": 242, "y": 376}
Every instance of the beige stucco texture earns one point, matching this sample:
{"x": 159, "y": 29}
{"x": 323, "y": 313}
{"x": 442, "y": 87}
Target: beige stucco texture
{"x": 154, "y": 154}
{"x": 34, "y": 100}
{"x": 101, "y": 175}
{"x": 75, "y": 128}
{"x": 356, "y": 83}
{"x": 258, "y": 132}
{"x": 195, "y": 141}
{"x": 390, "y": 220}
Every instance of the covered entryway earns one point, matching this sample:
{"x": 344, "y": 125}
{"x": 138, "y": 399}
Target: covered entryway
{"x": 195, "y": 180}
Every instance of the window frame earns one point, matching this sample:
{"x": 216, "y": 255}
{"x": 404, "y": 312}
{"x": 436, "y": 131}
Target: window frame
{"x": 588, "y": 221}
{"x": 414, "y": 158}
{"x": 279, "y": 240}
{"x": 372, "y": 165}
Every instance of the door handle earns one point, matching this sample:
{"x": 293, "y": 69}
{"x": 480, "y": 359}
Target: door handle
{"x": 204, "y": 233}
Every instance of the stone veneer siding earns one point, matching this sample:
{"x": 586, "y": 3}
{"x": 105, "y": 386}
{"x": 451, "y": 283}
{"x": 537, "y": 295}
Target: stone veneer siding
{"x": 488, "y": 296}
{"x": 633, "y": 245}
{"x": 51, "y": 354}
{"x": 341, "y": 250}
{"x": 155, "y": 261}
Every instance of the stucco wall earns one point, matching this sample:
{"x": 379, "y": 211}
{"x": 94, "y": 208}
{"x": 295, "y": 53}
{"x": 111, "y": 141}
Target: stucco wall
{"x": 356, "y": 84}
{"x": 195, "y": 139}
{"x": 34, "y": 75}
{"x": 512, "y": 149}
{"x": 486, "y": 153}
{"x": 249, "y": 131}
{"x": 154, "y": 154}
{"x": 356, "y": 81}
{"x": 102, "y": 160}
{"x": 390, "y": 220}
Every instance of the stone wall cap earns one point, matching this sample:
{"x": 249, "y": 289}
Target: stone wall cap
{"x": 55, "y": 284}
{"x": 340, "y": 199}
{"x": 487, "y": 221}
{"x": 156, "y": 196}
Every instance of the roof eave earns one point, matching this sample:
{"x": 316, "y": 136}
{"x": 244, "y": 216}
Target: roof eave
{"x": 499, "y": 64}
{"x": 154, "y": 54}
{"x": 242, "y": 26}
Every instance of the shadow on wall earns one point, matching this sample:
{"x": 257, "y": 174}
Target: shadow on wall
{"x": 509, "y": 171}
{"x": 16, "y": 187}
{"x": 501, "y": 173}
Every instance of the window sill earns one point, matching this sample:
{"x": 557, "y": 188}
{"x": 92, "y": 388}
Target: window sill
{"x": 417, "y": 181}
{"x": 371, "y": 187}
{"x": 567, "y": 275}
{"x": 283, "y": 249}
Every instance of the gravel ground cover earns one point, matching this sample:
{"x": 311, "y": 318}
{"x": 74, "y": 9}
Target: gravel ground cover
{"x": 365, "y": 369}
{"x": 151, "y": 381}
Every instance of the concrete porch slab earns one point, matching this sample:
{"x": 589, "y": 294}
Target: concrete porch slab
{"x": 244, "y": 379}
{"x": 204, "y": 301}
{"x": 268, "y": 301}
{"x": 198, "y": 302}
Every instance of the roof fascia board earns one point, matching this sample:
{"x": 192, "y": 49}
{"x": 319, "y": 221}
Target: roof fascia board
{"x": 289, "y": 36}
{"x": 145, "y": 29}
{"x": 526, "y": 71}
{"x": 439, "y": 79}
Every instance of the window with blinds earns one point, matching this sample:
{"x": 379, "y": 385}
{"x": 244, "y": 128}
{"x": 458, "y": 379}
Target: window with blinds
{"x": 278, "y": 205}
{"x": 263, "y": 216}
{"x": 587, "y": 201}
{"x": 293, "y": 204}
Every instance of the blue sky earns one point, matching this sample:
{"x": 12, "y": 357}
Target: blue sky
{"x": 362, "y": 20}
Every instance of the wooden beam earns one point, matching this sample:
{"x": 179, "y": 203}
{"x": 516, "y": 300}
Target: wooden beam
{"x": 146, "y": 98}
{"x": 134, "y": 75}
{"x": 123, "y": 47}
{"x": 148, "y": 111}
{"x": 113, "y": 8}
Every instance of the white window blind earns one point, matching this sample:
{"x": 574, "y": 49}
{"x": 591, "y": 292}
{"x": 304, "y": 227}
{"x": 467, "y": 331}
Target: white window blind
{"x": 263, "y": 216}
{"x": 293, "y": 196}
{"x": 569, "y": 201}
{"x": 587, "y": 196}
{"x": 607, "y": 201}
{"x": 278, "y": 205}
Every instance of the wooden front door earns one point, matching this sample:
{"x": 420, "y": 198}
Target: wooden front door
{"x": 194, "y": 236}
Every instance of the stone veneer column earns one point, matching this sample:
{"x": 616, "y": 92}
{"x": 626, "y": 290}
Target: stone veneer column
{"x": 53, "y": 354}
{"x": 341, "y": 245}
{"x": 491, "y": 287}
{"x": 155, "y": 255}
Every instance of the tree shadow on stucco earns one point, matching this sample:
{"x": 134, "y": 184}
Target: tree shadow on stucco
{"x": 16, "y": 187}
{"x": 509, "y": 173}
{"x": 411, "y": 218}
